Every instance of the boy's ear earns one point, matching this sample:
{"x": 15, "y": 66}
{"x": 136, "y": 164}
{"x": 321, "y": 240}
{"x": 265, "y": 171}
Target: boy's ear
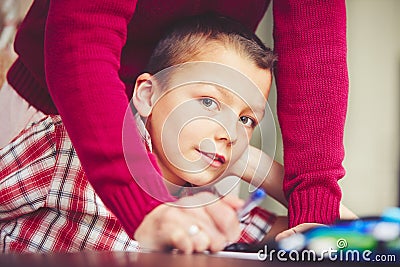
{"x": 143, "y": 95}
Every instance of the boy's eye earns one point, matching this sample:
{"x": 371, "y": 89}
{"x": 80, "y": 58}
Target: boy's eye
{"x": 209, "y": 103}
{"x": 247, "y": 121}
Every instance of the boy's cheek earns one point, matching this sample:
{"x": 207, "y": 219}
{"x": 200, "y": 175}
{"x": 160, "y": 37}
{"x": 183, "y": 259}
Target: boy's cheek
{"x": 239, "y": 151}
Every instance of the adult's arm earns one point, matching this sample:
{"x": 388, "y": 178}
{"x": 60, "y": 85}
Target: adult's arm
{"x": 83, "y": 43}
{"x": 312, "y": 85}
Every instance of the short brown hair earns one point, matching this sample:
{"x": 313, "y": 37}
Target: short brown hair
{"x": 188, "y": 37}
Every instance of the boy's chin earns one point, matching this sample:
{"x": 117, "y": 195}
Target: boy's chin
{"x": 198, "y": 179}
{"x": 203, "y": 180}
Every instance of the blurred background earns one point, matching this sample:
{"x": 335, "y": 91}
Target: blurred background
{"x": 11, "y": 14}
{"x": 372, "y": 128}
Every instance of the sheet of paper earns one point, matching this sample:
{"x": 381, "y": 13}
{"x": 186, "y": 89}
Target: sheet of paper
{"x": 237, "y": 255}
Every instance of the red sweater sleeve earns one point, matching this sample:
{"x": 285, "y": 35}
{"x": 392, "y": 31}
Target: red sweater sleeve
{"x": 312, "y": 85}
{"x": 83, "y": 43}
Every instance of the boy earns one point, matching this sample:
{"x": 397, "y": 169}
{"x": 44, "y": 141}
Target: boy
{"x": 47, "y": 204}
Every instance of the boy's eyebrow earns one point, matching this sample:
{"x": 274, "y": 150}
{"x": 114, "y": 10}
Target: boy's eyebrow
{"x": 223, "y": 91}
{"x": 257, "y": 108}
{"x": 259, "y": 111}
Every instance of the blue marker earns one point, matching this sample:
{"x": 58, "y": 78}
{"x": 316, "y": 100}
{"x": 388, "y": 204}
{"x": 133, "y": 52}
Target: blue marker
{"x": 253, "y": 201}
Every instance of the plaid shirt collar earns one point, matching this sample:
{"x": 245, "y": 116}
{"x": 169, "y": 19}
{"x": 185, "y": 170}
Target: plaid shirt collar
{"x": 143, "y": 132}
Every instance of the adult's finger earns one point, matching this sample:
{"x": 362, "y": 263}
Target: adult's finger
{"x": 178, "y": 238}
{"x": 216, "y": 217}
{"x": 225, "y": 219}
{"x": 297, "y": 229}
{"x": 201, "y": 241}
{"x": 233, "y": 201}
{"x": 206, "y": 224}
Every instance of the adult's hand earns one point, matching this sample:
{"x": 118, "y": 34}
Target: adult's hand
{"x": 297, "y": 229}
{"x": 345, "y": 214}
{"x": 191, "y": 229}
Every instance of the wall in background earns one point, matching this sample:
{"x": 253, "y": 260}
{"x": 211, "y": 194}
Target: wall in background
{"x": 11, "y": 14}
{"x": 372, "y": 128}
{"x": 373, "y": 123}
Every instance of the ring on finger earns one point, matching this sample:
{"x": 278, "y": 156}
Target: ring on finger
{"x": 193, "y": 230}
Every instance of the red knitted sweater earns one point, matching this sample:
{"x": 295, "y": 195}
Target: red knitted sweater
{"x": 91, "y": 52}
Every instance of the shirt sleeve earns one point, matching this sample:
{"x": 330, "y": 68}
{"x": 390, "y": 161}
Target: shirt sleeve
{"x": 83, "y": 43}
{"x": 312, "y": 86}
{"x": 27, "y": 165}
{"x": 256, "y": 225}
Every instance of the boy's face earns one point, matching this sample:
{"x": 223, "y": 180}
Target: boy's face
{"x": 199, "y": 129}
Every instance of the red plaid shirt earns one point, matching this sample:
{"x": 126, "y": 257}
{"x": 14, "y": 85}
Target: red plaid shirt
{"x": 47, "y": 204}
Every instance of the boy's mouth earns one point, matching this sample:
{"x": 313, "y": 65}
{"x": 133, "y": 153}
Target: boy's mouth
{"x": 213, "y": 159}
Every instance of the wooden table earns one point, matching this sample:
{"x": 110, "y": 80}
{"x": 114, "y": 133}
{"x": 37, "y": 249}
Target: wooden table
{"x": 122, "y": 259}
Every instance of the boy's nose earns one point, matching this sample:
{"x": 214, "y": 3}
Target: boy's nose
{"x": 227, "y": 131}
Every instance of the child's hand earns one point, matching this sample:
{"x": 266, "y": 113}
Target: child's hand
{"x": 252, "y": 166}
{"x": 206, "y": 227}
{"x": 260, "y": 170}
